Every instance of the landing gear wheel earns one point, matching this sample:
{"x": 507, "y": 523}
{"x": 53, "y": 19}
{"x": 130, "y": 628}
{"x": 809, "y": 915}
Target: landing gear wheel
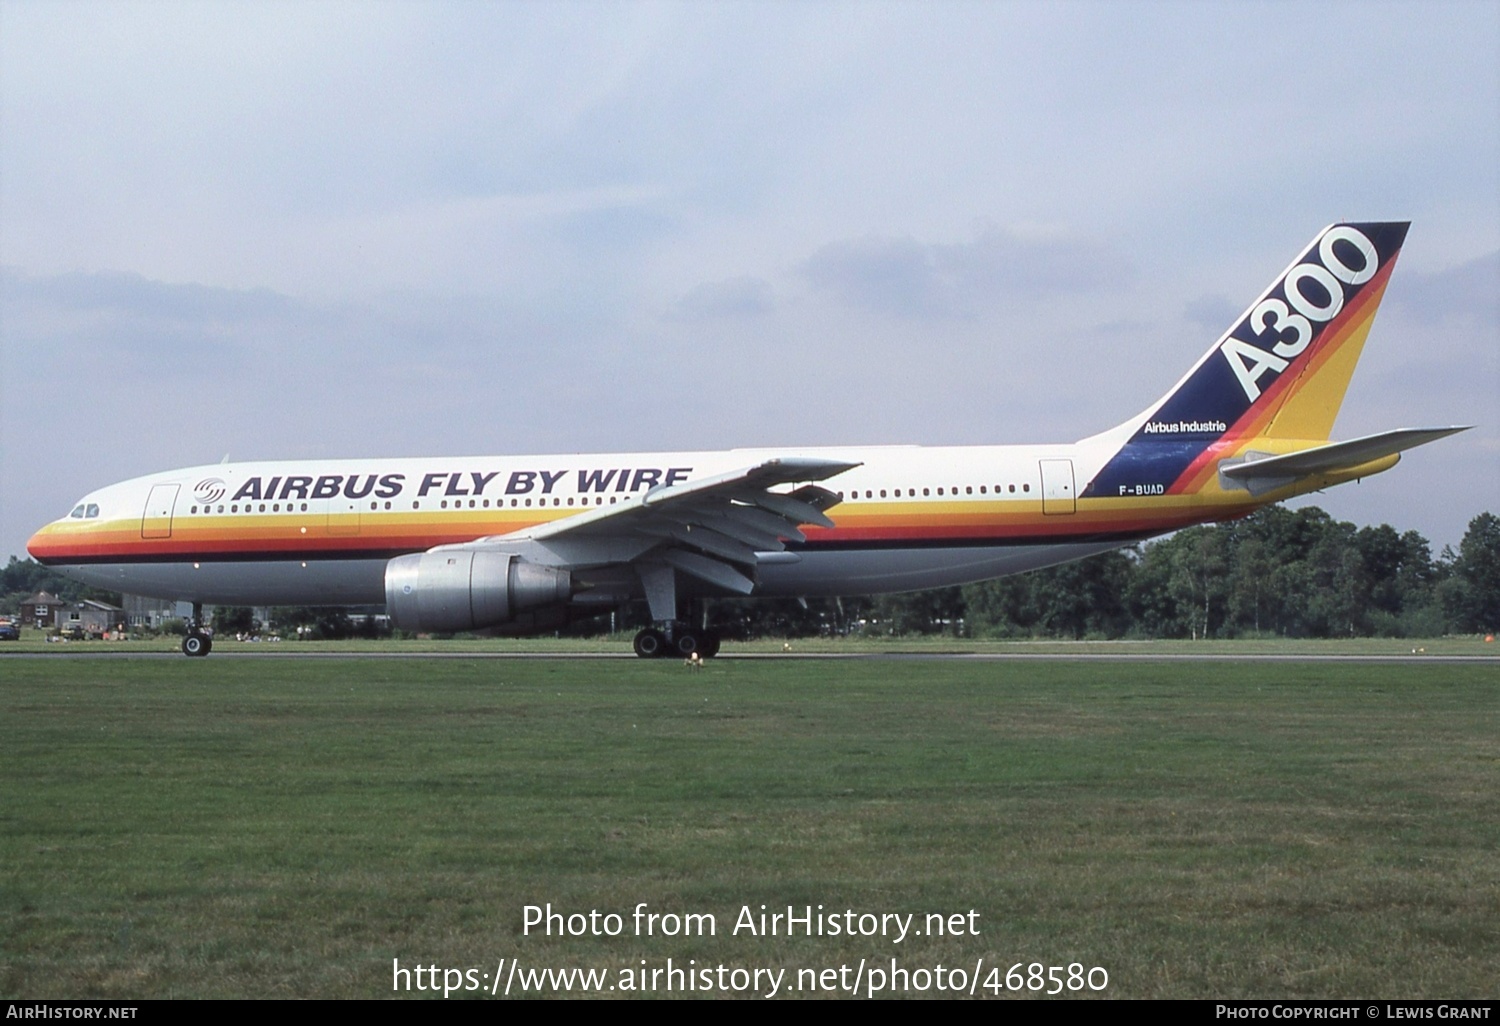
{"x": 197, "y": 645}
{"x": 710, "y": 644}
{"x": 687, "y": 643}
{"x": 650, "y": 643}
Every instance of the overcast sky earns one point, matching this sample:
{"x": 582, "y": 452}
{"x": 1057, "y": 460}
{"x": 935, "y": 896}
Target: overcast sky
{"x": 304, "y": 230}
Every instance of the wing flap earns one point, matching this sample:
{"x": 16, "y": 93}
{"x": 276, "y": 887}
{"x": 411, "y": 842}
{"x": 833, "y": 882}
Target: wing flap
{"x": 711, "y": 570}
{"x": 794, "y": 510}
{"x": 705, "y": 538}
{"x": 756, "y": 521}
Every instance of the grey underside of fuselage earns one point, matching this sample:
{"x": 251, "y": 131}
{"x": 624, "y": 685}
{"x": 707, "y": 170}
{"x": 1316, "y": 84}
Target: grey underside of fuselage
{"x": 872, "y": 571}
{"x": 329, "y": 582}
{"x": 353, "y": 582}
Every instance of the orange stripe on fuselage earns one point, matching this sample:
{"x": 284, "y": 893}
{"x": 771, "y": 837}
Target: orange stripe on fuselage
{"x": 212, "y": 538}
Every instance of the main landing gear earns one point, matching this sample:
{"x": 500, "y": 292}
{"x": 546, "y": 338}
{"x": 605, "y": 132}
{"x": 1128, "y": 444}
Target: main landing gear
{"x": 676, "y": 639}
{"x": 198, "y": 641}
{"x": 670, "y": 635}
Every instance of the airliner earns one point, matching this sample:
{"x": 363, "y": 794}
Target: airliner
{"x": 520, "y": 544}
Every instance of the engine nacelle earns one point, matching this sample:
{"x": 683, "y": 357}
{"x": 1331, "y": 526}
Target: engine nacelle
{"x": 468, "y": 589}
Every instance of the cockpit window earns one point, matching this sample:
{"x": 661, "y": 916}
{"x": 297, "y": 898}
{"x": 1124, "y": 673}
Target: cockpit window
{"x": 77, "y": 513}
{"x": 84, "y": 511}
{"x": 92, "y": 511}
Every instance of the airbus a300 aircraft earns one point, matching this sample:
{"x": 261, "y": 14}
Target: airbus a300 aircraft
{"x": 520, "y": 544}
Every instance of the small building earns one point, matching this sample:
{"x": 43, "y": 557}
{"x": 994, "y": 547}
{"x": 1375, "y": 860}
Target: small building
{"x": 141, "y": 611}
{"x": 38, "y": 610}
{"x": 92, "y": 618}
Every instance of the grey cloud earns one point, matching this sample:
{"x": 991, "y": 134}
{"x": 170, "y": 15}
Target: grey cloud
{"x": 145, "y": 329}
{"x": 1470, "y": 291}
{"x": 1439, "y": 358}
{"x": 908, "y": 278}
{"x": 117, "y": 293}
{"x": 733, "y": 298}
{"x": 1213, "y": 312}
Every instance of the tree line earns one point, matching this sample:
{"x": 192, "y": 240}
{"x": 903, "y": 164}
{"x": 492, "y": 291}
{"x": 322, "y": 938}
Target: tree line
{"x": 1277, "y": 573}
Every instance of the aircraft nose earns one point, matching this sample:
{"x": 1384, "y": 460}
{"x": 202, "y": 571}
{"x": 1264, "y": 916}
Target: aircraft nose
{"x": 42, "y": 545}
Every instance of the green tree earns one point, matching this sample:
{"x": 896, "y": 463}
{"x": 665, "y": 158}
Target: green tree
{"x": 937, "y": 611}
{"x": 21, "y": 578}
{"x": 1474, "y": 602}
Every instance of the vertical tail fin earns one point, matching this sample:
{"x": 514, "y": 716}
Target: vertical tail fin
{"x": 1279, "y": 373}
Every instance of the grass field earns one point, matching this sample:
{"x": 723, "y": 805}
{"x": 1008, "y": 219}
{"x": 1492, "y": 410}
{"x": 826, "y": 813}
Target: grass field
{"x": 35, "y": 642}
{"x": 287, "y": 827}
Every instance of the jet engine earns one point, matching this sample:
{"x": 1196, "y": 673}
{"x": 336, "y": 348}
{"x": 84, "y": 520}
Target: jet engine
{"x": 468, "y": 589}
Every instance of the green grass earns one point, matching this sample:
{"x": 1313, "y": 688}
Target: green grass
{"x": 35, "y": 642}
{"x": 285, "y": 827}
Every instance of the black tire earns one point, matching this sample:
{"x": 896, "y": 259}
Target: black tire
{"x": 650, "y": 643}
{"x": 196, "y": 645}
{"x": 710, "y": 642}
{"x": 687, "y": 643}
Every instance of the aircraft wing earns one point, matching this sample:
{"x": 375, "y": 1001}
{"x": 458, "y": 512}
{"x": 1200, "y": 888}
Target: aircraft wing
{"x": 715, "y": 528}
{"x": 1260, "y": 473}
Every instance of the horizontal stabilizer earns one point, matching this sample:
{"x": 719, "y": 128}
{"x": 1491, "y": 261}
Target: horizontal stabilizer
{"x": 1326, "y": 459}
